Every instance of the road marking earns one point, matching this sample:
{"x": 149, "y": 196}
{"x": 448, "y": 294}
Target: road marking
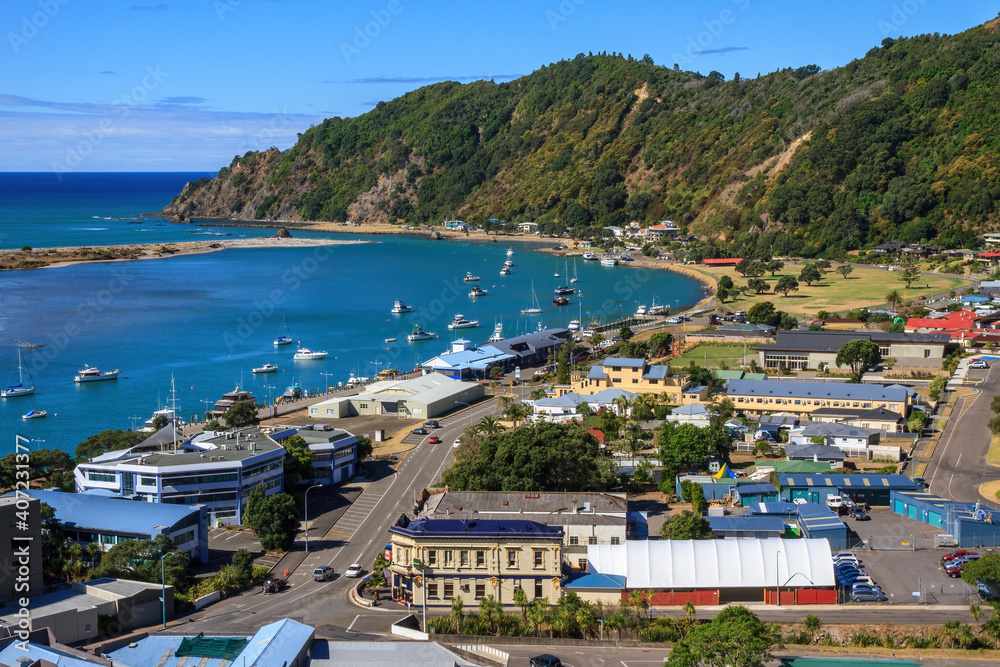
{"x": 959, "y": 459}
{"x": 232, "y": 536}
{"x": 353, "y": 622}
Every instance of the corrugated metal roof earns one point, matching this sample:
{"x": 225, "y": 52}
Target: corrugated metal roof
{"x": 769, "y": 523}
{"x": 11, "y": 652}
{"x": 383, "y": 654}
{"x": 159, "y": 650}
{"x": 824, "y": 390}
{"x": 697, "y": 564}
{"x": 597, "y": 581}
{"x": 881, "y": 481}
{"x": 755, "y": 488}
{"x": 275, "y": 644}
{"x": 115, "y": 514}
{"x": 424, "y": 527}
{"x": 624, "y": 362}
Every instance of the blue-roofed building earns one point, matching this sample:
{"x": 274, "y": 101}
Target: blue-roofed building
{"x": 566, "y": 406}
{"x": 285, "y": 642}
{"x": 466, "y": 361}
{"x": 637, "y": 376}
{"x": 873, "y": 489}
{"x": 108, "y": 521}
{"x": 471, "y": 558}
{"x": 820, "y": 522}
{"x": 757, "y": 397}
{"x": 756, "y": 492}
{"x": 746, "y": 527}
{"x": 533, "y": 349}
{"x": 596, "y": 587}
{"x": 42, "y": 649}
{"x": 970, "y": 524}
{"x": 696, "y": 413}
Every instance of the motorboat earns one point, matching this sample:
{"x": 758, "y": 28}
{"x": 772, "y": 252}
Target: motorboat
{"x": 266, "y": 368}
{"x": 399, "y": 307}
{"x": 497, "y": 334}
{"x": 609, "y": 260}
{"x": 459, "y": 322}
{"x": 658, "y": 310}
{"x": 21, "y": 388}
{"x": 560, "y": 301}
{"x": 565, "y": 289}
{"x": 641, "y": 311}
{"x": 478, "y": 291}
{"x": 590, "y": 257}
{"x": 305, "y": 354}
{"x": 505, "y": 271}
{"x": 34, "y": 414}
{"x": 231, "y": 398}
{"x": 419, "y": 334}
{"x": 355, "y": 381}
{"x": 469, "y": 278}
{"x": 574, "y": 325}
{"x": 284, "y": 338}
{"x": 390, "y": 340}
{"x": 533, "y": 306}
{"x": 508, "y": 263}
{"x": 510, "y": 251}
{"x": 94, "y": 374}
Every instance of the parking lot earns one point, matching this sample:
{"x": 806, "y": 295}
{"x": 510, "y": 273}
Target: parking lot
{"x": 901, "y": 573}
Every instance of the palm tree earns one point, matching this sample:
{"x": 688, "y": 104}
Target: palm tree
{"x": 491, "y": 611}
{"x": 521, "y": 600}
{"x": 456, "y": 612}
{"x": 689, "y": 610}
{"x": 538, "y": 394}
{"x": 538, "y": 613}
{"x": 516, "y": 413}
{"x": 489, "y": 425}
{"x": 504, "y": 403}
{"x": 975, "y": 611}
{"x": 375, "y": 582}
{"x": 811, "y": 624}
{"x": 894, "y": 299}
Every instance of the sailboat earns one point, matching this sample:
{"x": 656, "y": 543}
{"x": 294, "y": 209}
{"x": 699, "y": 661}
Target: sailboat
{"x": 19, "y": 389}
{"x": 533, "y": 306}
{"x": 574, "y": 278}
{"x": 284, "y": 338}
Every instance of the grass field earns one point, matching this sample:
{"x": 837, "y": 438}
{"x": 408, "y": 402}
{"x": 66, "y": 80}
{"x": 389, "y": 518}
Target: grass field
{"x": 993, "y": 456}
{"x": 712, "y": 356}
{"x": 864, "y": 287}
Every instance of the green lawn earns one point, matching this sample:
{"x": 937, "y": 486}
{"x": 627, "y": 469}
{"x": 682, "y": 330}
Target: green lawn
{"x": 712, "y": 356}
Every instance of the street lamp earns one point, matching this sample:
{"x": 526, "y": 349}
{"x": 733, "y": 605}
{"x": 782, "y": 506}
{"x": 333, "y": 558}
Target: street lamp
{"x": 270, "y": 405}
{"x": 307, "y": 513}
{"x": 163, "y": 590}
{"x": 468, "y": 406}
{"x": 777, "y": 580}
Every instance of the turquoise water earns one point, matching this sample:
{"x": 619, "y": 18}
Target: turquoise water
{"x": 209, "y": 319}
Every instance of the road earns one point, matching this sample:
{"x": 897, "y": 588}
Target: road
{"x": 958, "y": 465}
{"x": 359, "y": 534}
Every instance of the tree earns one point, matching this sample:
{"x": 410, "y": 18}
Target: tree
{"x": 812, "y": 623}
{"x": 683, "y": 447}
{"x": 625, "y": 334}
{"x": 858, "y": 354}
{"x": 845, "y": 270}
{"x": 277, "y": 522}
{"x": 240, "y": 415}
{"x": 725, "y": 282}
{"x": 985, "y": 569}
{"x": 810, "y": 274}
{"x": 755, "y": 269}
{"x": 159, "y": 421}
{"x": 139, "y": 560}
{"x": 700, "y": 376}
{"x": 298, "y": 462}
{"x": 686, "y": 526}
{"x": 917, "y": 422}
{"x": 489, "y": 425}
{"x": 761, "y": 313}
{"x": 660, "y": 344}
{"x": 786, "y": 284}
{"x": 456, "y": 611}
{"x": 743, "y": 265}
{"x": 937, "y": 387}
{"x": 251, "y": 510}
{"x": 564, "y": 362}
{"x": 521, "y": 600}
{"x": 736, "y": 637}
{"x": 364, "y": 447}
{"x": 894, "y": 299}
{"x": 107, "y": 441}
{"x": 822, "y": 265}
{"x": 773, "y": 266}
{"x": 758, "y": 285}
{"x": 376, "y": 582}
{"x": 909, "y": 273}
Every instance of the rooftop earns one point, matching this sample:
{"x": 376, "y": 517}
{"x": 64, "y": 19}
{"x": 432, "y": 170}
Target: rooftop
{"x": 478, "y": 528}
{"x": 831, "y": 341}
{"x": 82, "y": 510}
{"x": 519, "y": 502}
{"x": 772, "y": 524}
{"x": 824, "y": 390}
{"x": 231, "y": 446}
{"x": 847, "y": 481}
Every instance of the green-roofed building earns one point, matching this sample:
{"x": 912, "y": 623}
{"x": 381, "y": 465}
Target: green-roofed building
{"x": 738, "y": 375}
{"x": 792, "y": 467}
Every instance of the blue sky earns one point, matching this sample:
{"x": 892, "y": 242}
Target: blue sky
{"x": 143, "y": 85}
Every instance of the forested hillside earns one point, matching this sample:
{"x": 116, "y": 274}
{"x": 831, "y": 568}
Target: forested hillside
{"x": 900, "y": 144}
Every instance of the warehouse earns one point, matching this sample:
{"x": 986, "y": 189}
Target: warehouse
{"x": 420, "y": 398}
{"x": 871, "y": 489}
{"x": 744, "y": 527}
{"x": 970, "y": 524}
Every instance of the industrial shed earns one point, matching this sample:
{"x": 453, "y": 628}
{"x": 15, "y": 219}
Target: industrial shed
{"x": 971, "y": 524}
{"x": 711, "y": 572}
{"x": 871, "y": 489}
{"x": 744, "y": 527}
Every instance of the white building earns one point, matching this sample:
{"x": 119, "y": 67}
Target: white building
{"x": 567, "y": 407}
{"x": 695, "y": 413}
{"x": 334, "y": 453}
{"x": 853, "y": 441}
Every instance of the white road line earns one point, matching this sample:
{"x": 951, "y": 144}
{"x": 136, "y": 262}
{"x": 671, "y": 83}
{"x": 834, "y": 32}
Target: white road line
{"x": 353, "y": 622}
{"x": 959, "y": 459}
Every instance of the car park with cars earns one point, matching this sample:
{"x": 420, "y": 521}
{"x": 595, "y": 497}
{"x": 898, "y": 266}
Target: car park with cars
{"x": 958, "y": 553}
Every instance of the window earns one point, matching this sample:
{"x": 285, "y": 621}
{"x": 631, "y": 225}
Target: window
{"x": 581, "y": 563}
{"x": 574, "y": 540}
{"x": 449, "y": 590}
{"x": 654, "y": 382}
{"x": 539, "y": 557}
{"x": 511, "y": 557}
{"x": 463, "y": 558}
{"x": 592, "y": 539}
{"x": 432, "y": 557}
{"x": 635, "y": 380}
{"x": 101, "y": 476}
{"x": 432, "y": 590}
{"x": 538, "y": 588}
{"x": 480, "y": 590}
{"x": 480, "y": 558}
{"x": 399, "y": 555}
{"x": 147, "y": 481}
{"x": 615, "y": 540}
{"x": 927, "y": 354}
{"x": 449, "y": 560}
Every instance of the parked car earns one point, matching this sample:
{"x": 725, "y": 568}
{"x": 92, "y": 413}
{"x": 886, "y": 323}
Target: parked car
{"x": 866, "y": 588}
{"x": 958, "y": 553}
{"x": 433, "y": 440}
{"x": 353, "y": 571}
{"x": 978, "y": 363}
{"x": 868, "y": 596}
{"x": 920, "y": 482}
{"x": 954, "y": 567}
{"x": 859, "y": 514}
{"x": 324, "y": 573}
{"x": 431, "y": 423}
{"x": 986, "y": 591}
{"x": 274, "y": 585}
{"x": 545, "y": 660}
{"x": 419, "y": 431}
{"x": 845, "y": 554}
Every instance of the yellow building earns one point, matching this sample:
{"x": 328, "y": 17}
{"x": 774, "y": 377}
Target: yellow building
{"x": 802, "y": 398}
{"x": 638, "y": 377}
{"x": 471, "y": 559}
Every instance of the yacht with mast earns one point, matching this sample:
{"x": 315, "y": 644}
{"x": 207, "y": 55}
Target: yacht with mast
{"x": 533, "y": 306}
{"x": 20, "y": 389}
{"x": 284, "y": 337}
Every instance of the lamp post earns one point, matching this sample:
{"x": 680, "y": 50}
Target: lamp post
{"x": 468, "y": 406}
{"x": 307, "y": 513}
{"x": 777, "y": 580}
{"x": 270, "y": 405}
{"x": 163, "y": 591}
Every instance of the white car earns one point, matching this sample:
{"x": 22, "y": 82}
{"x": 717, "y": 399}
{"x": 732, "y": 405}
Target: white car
{"x": 458, "y": 441}
{"x": 978, "y": 363}
{"x": 353, "y": 571}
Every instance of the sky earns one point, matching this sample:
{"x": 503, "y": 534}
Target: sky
{"x": 184, "y": 85}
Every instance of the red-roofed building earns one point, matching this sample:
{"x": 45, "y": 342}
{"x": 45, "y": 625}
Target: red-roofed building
{"x": 729, "y": 261}
{"x": 991, "y": 257}
{"x": 597, "y": 433}
{"x": 957, "y": 325}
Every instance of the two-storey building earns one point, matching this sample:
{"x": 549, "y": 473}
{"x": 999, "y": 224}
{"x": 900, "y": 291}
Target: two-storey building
{"x": 757, "y": 397}
{"x": 638, "y": 377}
{"x": 435, "y": 561}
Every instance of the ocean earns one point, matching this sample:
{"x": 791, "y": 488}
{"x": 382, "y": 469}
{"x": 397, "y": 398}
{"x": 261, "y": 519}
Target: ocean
{"x": 207, "y": 320}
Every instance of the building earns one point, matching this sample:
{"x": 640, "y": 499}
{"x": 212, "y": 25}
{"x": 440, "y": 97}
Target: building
{"x": 217, "y": 470}
{"x": 695, "y": 413}
{"x": 991, "y": 240}
{"x": 437, "y": 560}
{"x": 714, "y": 572}
{"x": 456, "y": 226}
{"x": 737, "y": 334}
{"x": 724, "y": 261}
{"x": 585, "y": 518}
{"x": 746, "y": 527}
{"x": 866, "y": 488}
{"x": 877, "y": 419}
{"x": 533, "y": 349}
{"x": 800, "y": 350}
{"x": 107, "y": 521}
{"x": 970, "y": 524}
{"x": 950, "y": 324}
{"x": 565, "y": 407}
{"x": 755, "y": 492}
{"x": 231, "y": 398}
{"x": 665, "y": 230}
{"x": 757, "y": 397}
{"x": 42, "y": 649}
{"x": 853, "y": 441}
{"x": 638, "y": 377}
{"x": 334, "y": 453}
{"x": 20, "y": 541}
{"x": 466, "y": 361}
{"x": 418, "y": 398}
{"x": 890, "y": 248}
{"x": 832, "y": 456}
{"x": 527, "y": 227}
{"x": 71, "y": 613}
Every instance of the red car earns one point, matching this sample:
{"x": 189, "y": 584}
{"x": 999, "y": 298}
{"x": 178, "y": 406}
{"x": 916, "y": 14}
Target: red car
{"x": 433, "y": 440}
{"x": 958, "y": 553}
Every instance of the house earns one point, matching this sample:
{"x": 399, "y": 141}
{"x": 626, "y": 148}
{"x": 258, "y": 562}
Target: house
{"x": 527, "y": 227}
{"x": 878, "y": 419}
{"x": 565, "y": 407}
{"x": 817, "y": 453}
{"x": 801, "y": 398}
{"x": 991, "y": 240}
{"x": 466, "y": 361}
{"x": 800, "y": 350}
{"x": 585, "y": 517}
{"x": 665, "y": 230}
{"x": 617, "y": 231}
{"x": 106, "y": 521}
{"x": 948, "y": 324}
{"x": 535, "y": 348}
{"x": 441, "y": 559}
{"x": 990, "y": 257}
{"x": 423, "y": 397}
{"x": 873, "y": 489}
{"x": 456, "y": 226}
{"x": 853, "y": 441}
{"x": 747, "y": 334}
{"x": 637, "y": 376}
{"x": 695, "y": 413}
{"x": 217, "y": 470}
{"x": 889, "y": 248}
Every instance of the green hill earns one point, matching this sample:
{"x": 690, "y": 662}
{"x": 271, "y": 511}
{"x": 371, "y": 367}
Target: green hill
{"x": 900, "y": 144}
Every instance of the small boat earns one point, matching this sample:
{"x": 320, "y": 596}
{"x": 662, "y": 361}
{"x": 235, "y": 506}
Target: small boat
{"x": 459, "y": 322}
{"x": 574, "y": 279}
{"x": 284, "y": 338}
{"x": 266, "y": 368}
{"x": 609, "y": 260}
{"x": 400, "y": 307}
{"x": 574, "y": 325}
{"x": 478, "y": 291}
{"x": 390, "y": 340}
{"x": 469, "y": 278}
{"x": 94, "y": 374}
{"x": 355, "y": 381}
{"x": 508, "y": 263}
{"x": 497, "y": 334}
{"x": 510, "y": 251}
{"x": 560, "y": 301}
{"x": 641, "y": 311}
{"x": 19, "y": 389}
{"x": 533, "y": 305}
{"x": 305, "y": 354}
{"x": 34, "y": 414}
{"x": 419, "y": 334}
{"x": 658, "y": 310}
{"x": 505, "y": 271}
{"x": 565, "y": 289}
{"x": 590, "y": 257}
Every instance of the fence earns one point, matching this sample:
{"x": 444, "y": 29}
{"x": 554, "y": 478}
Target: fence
{"x": 891, "y": 543}
{"x": 951, "y": 592}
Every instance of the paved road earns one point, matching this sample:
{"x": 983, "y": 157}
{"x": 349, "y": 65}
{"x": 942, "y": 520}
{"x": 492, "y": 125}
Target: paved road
{"x": 357, "y": 536}
{"x": 958, "y": 465}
